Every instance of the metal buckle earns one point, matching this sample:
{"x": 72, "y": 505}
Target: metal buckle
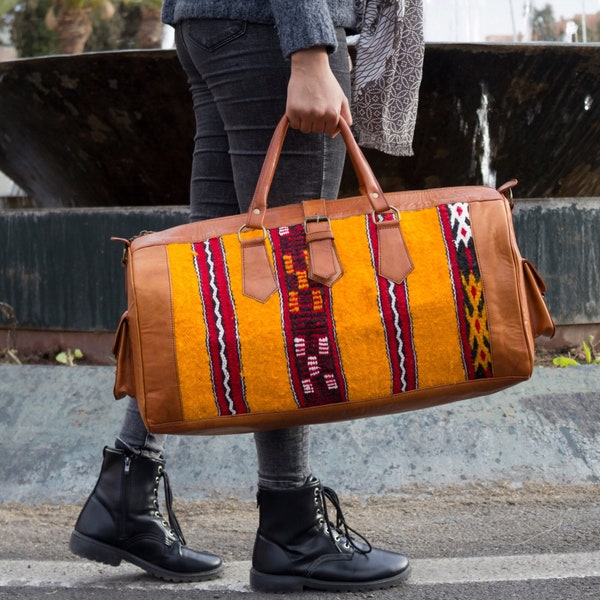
{"x": 374, "y": 215}
{"x": 316, "y": 219}
{"x": 510, "y": 198}
{"x": 264, "y": 230}
{"x": 128, "y": 245}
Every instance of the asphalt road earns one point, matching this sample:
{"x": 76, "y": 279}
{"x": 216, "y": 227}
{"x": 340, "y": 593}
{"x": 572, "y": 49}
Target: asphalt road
{"x": 566, "y": 589}
{"x": 476, "y": 542}
{"x": 495, "y": 498}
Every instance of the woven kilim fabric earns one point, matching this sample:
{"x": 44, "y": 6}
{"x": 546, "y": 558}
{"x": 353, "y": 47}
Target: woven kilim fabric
{"x": 295, "y": 352}
{"x": 468, "y": 289}
{"x": 314, "y": 363}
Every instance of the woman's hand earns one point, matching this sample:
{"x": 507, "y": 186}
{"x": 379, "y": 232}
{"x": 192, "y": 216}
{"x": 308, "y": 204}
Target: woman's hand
{"x": 315, "y": 99}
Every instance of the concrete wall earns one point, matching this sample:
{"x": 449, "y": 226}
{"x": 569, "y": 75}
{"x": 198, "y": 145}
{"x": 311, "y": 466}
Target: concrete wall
{"x": 54, "y": 422}
{"x": 562, "y": 238}
{"x": 60, "y": 270}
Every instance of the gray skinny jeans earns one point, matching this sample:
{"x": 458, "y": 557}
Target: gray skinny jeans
{"x": 238, "y": 79}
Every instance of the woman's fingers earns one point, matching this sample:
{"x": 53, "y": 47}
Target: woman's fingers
{"x": 315, "y": 98}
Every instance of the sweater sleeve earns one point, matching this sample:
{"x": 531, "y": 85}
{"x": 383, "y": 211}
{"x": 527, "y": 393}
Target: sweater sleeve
{"x": 303, "y": 24}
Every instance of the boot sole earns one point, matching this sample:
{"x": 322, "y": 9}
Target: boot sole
{"x": 263, "y": 582}
{"x": 92, "y": 549}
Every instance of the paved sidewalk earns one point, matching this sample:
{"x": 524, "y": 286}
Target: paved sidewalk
{"x": 467, "y": 542}
{"x": 425, "y": 572}
{"x": 54, "y": 422}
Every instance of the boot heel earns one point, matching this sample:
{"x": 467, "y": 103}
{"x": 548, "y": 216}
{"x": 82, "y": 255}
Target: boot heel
{"x": 262, "y": 582}
{"x": 92, "y": 550}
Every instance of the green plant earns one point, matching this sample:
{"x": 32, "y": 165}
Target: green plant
{"x": 586, "y": 356}
{"x": 7, "y": 312}
{"x": 6, "y": 5}
{"x": 37, "y": 30}
{"x": 68, "y": 357}
{"x": 154, "y": 3}
{"x": 29, "y": 33}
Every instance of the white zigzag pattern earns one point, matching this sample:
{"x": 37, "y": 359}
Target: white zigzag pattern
{"x": 220, "y": 328}
{"x": 392, "y": 293}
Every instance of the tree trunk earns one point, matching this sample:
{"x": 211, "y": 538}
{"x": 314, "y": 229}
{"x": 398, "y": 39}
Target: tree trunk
{"x": 73, "y": 28}
{"x": 149, "y": 34}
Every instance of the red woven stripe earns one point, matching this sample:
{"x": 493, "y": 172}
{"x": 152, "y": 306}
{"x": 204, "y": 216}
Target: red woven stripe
{"x": 221, "y": 326}
{"x": 313, "y": 356}
{"x": 395, "y": 316}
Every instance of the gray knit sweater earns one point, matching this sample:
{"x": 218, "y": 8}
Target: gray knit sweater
{"x": 300, "y": 23}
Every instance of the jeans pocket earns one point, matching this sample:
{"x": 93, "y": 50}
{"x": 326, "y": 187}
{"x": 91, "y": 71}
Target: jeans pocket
{"x": 212, "y": 34}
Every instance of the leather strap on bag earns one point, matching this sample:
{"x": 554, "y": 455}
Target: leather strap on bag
{"x": 369, "y": 186}
{"x": 258, "y": 278}
{"x": 323, "y": 262}
{"x": 259, "y": 281}
{"x": 394, "y": 261}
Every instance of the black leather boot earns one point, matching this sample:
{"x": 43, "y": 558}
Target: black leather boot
{"x": 121, "y": 520}
{"x": 298, "y": 547}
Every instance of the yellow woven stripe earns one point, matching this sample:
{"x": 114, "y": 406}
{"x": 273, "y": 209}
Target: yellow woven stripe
{"x": 261, "y": 340}
{"x": 190, "y": 335}
{"x": 360, "y": 335}
{"x": 477, "y": 319}
{"x": 431, "y": 299}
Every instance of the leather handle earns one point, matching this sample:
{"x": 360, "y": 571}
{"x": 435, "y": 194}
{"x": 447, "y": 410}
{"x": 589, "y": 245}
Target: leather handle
{"x": 368, "y": 183}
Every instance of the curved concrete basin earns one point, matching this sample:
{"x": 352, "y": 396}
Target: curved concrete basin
{"x": 115, "y": 128}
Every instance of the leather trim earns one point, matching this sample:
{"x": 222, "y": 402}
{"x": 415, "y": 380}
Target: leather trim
{"x": 125, "y": 375}
{"x": 292, "y": 214}
{"x": 258, "y": 279}
{"x": 408, "y": 401}
{"x": 541, "y": 320}
{"x": 394, "y": 261}
{"x": 159, "y": 390}
{"x": 500, "y": 267}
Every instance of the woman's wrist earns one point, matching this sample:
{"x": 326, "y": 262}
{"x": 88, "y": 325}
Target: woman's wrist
{"x": 310, "y": 57}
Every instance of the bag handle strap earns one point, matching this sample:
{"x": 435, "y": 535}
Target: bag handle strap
{"x": 368, "y": 184}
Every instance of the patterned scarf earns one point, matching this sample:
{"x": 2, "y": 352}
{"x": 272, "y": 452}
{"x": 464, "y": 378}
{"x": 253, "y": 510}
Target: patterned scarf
{"x": 387, "y": 75}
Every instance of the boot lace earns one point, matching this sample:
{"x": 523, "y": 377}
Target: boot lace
{"x": 173, "y": 523}
{"x": 322, "y": 496}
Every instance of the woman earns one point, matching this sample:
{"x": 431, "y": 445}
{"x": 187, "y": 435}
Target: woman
{"x": 248, "y": 62}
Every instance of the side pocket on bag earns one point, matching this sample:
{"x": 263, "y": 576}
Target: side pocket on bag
{"x": 124, "y": 377}
{"x": 539, "y": 315}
